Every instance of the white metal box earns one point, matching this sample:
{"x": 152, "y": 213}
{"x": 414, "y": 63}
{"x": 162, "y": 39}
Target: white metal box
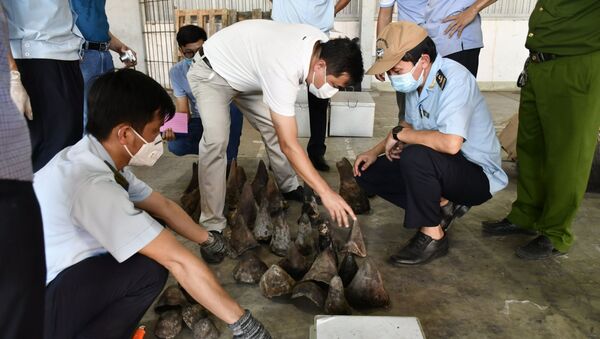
{"x": 352, "y": 114}
{"x": 366, "y": 327}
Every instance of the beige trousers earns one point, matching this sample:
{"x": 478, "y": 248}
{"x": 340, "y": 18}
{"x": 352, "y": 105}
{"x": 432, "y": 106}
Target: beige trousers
{"x": 213, "y": 95}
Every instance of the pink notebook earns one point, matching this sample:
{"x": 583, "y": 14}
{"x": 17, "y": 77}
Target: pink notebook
{"x": 179, "y": 123}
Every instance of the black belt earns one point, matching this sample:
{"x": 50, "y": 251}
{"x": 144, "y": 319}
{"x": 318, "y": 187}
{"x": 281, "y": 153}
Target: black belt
{"x": 97, "y": 46}
{"x": 539, "y": 57}
{"x": 204, "y": 57}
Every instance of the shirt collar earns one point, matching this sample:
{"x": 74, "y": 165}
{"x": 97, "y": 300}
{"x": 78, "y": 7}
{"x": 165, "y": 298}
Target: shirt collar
{"x": 98, "y": 150}
{"x": 430, "y": 81}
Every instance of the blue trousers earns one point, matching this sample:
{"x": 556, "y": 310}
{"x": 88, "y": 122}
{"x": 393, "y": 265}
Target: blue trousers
{"x": 188, "y": 143}
{"x": 92, "y": 65}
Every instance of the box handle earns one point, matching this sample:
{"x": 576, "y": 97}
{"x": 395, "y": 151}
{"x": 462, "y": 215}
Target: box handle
{"x": 355, "y": 104}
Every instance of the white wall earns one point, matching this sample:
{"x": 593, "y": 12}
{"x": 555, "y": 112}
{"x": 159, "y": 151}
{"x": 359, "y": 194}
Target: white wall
{"x": 504, "y": 53}
{"x": 125, "y": 22}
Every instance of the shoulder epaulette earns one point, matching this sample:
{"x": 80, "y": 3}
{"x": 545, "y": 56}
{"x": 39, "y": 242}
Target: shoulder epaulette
{"x": 441, "y": 79}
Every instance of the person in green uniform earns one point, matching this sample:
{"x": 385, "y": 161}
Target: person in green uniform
{"x": 559, "y": 117}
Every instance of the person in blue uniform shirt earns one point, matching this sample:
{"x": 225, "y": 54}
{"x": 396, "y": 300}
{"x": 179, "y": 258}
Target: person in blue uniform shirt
{"x": 444, "y": 157}
{"x": 190, "y": 39}
{"x": 454, "y": 26}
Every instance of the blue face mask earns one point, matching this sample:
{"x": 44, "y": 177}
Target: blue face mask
{"x": 188, "y": 62}
{"x": 406, "y": 83}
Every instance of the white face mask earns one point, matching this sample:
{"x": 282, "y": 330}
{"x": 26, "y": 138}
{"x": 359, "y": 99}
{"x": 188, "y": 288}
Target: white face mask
{"x": 406, "y": 83}
{"x": 148, "y": 153}
{"x": 324, "y": 92}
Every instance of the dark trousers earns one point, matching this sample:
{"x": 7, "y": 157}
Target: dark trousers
{"x": 317, "y": 111}
{"x": 55, "y": 88}
{"x": 22, "y": 262}
{"x": 101, "y": 298}
{"x": 468, "y": 58}
{"x": 420, "y": 178}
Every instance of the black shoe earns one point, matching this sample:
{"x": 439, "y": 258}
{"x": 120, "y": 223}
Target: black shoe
{"x": 450, "y": 212}
{"x": 319, "y": 163}
{"x": 538, "y": 248}
{"x": 420, "y": 249}
{"x": 296, "y": 195}
{"x": 217, "y": 250}
{"x": 504, "y": 227}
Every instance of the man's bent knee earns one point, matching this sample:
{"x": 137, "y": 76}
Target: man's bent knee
{"x": 415, "y": 156}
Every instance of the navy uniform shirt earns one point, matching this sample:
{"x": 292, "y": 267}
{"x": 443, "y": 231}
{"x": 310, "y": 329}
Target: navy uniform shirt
{"x": 451, "y": 103}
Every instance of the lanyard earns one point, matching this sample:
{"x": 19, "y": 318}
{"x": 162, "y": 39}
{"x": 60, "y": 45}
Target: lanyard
{"x": 119, "y": 178}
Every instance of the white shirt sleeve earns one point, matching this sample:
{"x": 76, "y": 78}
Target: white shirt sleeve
{"x": 103, "y": 208}
{"x": 138, "y": 190}
{"x": 386, "y": 3}
{"x": 279, "y": 92}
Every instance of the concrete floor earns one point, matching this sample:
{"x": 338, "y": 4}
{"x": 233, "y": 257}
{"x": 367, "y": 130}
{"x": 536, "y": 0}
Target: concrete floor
{"x": 479, "y": 290}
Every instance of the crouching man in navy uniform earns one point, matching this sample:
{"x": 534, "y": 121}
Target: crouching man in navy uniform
{"x": 445, "y": 157}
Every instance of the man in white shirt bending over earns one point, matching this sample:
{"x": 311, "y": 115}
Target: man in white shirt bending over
{"x": 260, "y": 65}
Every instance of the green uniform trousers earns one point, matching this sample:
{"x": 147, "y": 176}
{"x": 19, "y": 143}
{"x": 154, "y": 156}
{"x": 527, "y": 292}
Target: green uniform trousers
{"x": 559, "y": 117}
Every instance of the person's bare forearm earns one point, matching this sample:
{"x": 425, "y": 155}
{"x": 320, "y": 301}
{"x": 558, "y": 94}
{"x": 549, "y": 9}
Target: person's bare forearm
{"x": 384, "y": 18}
{"x": 340, "y": 5}
{"x": 445, "y": 143}
{"x": 116, "y": 45}
{"x": 302, "y": 165}
{"x": 180, "y": 222}
{"x": 200, "y": 282}
{"x": 11, "y": 61}
{"x": 174, "y": 216}
{"x": 194, "y": 275}
{"x": 378, "y": 149}
{"x": 480, "y": 5}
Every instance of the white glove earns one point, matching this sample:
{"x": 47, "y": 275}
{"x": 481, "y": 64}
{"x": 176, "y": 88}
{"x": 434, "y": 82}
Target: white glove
{"x": 19, "y": 95}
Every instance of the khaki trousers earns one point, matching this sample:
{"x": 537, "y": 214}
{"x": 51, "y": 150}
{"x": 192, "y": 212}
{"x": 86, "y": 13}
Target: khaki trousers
{"x": 213, "y": 95}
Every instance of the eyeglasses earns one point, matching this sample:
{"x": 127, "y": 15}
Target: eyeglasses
{"x": 189, "y": 53}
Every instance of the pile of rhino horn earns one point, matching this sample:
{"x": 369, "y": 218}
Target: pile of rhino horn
{"x": 323, "y": 264}
{"x": 176, "y": 309}
{"x": 190, "y": 200}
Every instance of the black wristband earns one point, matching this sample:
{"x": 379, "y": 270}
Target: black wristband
{"x": 395, "y": 132}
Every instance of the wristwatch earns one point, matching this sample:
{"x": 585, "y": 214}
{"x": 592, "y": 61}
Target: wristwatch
{"x": 395, "y": 132}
